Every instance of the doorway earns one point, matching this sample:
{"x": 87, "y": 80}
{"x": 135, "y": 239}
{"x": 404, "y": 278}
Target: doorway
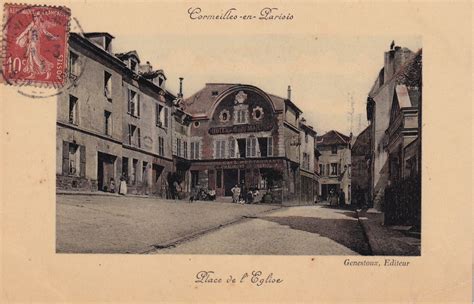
{"x": 105, "y": 171}
{"x": 156, "y": 174}
{"x": 231, "y": 179}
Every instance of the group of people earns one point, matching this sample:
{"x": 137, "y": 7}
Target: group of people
{"x": 122, "y": 186}
{"x": 337, "y": 199}
{"x": 241, "y": 196}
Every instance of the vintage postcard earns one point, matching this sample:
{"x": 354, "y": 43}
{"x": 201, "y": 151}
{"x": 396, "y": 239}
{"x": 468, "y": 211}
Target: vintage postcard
{"x": 236, "y": 152}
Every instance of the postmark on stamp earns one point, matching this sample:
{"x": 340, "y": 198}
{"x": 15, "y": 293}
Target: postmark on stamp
{"x": 35, "y": 45}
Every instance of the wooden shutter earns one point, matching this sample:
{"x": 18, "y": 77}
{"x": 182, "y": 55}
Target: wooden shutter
{"x": 139, "y": 138}
{"x": 138, "y": 104}
{"x": 231, "y": 148}
{"x": 82, "y": 156}
{"x": 223, "y": 149}
{"x": 129, "y": 102}
{"x": 247, "y": 153}
{"x": 196, "y": 147}
{"x": 65, "y": 158}
{"x": 270, "y": 146}
{"x": 166, "y": 117}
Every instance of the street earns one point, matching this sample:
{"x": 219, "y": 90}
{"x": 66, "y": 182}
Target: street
{"x": 305, "y": 230}
{"x": 112, "y": 224}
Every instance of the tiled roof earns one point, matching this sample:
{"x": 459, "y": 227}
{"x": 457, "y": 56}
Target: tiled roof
{"x": 201, "y": 101}
{"x": 332, "y": 138}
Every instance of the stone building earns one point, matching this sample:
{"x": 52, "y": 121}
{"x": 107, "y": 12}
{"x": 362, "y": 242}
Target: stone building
{"x": 395, "y": 83}
{"x": 116, "y": 120}
{"x": 113, "y": 120}
{"x": 334, "y": 164}
{"x": 242, "y": 135}
{"x": 360, "y": 158}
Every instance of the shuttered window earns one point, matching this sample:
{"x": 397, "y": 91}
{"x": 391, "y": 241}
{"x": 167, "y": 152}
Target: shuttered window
{"x": 74, "y": 159}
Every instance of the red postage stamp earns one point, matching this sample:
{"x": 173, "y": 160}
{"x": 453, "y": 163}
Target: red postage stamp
{"x": 35, "y": 45}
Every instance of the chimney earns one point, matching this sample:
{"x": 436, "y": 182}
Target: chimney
{"x": 289, "y": 92}
{"x": 180, "y": 94}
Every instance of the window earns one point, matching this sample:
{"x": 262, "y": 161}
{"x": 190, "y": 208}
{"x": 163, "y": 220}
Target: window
{"x": 185, "y": 149}
{"x": 133, "y": 103}
{"x": 321, "y": 169}
{"x": 161, "y": 80}
{"x": 327, "y": 169}
{"x": 242, "y": 144}
{"x": 161, "y": 116}
{"x": 305, "y": 163}
{"x": 74, "y": 70}
{"x": 220, "y": 149}
{"x": 134, "y": 136}
{"x": 74, "y": 160}
{"x": 125, "y": 167}
{"x": 178, "y": 146}
{"x": 305, "y": 137}
{"x": 334, "y": 168}
{"x": 108, "y": 44}
{"x": 334, "y": 149}
{"x": 231, "y": 147}
{"x": 108, "y": 85}
{"x": 195, "y": 150}
{"x": 241, "y": 116}
{"x": 73, "y": 110}
{"x": 133, "y": 175}
{"x": 265, "y": 145}
{"x": 108, "y": 123}
{"x": 161, "y": 146}
{"x": 251, "y": 147}
{"x": 133, "y": 65}
{"x": 215, "y": 93}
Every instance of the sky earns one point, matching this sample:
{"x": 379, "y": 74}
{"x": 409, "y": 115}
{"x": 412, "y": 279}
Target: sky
{"x": 325, "y": 72}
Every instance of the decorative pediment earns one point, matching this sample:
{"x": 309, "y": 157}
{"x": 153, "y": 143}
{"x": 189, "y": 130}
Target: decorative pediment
{"x": 240, "y": 98}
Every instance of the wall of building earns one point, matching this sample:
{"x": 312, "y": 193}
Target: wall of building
{"x": 342, "y": 158}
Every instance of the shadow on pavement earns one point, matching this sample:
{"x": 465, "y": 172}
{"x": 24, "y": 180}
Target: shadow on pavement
{"x": 345, "y": 232}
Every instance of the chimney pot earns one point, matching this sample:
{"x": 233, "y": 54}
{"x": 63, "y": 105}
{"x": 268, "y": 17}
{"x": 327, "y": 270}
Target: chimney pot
{"x": 180, "y": 87}
{"x": 289, "y": 92}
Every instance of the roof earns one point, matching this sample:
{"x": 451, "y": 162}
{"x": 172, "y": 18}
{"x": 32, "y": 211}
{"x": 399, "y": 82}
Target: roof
{"x": 126, "y": 55}
{"x": 201, "y": 102}
{"x": 98, "y": 34}
{"x": 333, "y": 137}
{"x": 409, "y": 74}
{"x": 361, "y": 145}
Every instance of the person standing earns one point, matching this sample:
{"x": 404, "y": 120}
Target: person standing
{"x": 112, "y": 185}
{"x": 235, "y": 193}
{"x": 123, "y": 185}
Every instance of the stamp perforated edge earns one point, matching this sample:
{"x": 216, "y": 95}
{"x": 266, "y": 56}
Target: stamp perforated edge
{"x": 33, "y": 83}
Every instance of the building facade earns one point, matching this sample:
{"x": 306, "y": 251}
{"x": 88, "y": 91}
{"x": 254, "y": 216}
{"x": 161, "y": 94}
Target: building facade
{"x": 116, "y": 120}
{"x": 360, "y": 158}
{"x": 113, "y": 121}
{"x": 334, "y": 164}
{"x": 397, "y": 86}
{"x": 241, "y": 135}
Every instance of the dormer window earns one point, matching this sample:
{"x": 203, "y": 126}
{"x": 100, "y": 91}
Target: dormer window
{"x": 215, "y": 93}
{"x": 161, "y": 80}
{"x": 108, "y": 44}
{"x": 133, "y": 65}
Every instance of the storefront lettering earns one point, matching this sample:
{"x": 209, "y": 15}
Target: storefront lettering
{"x": 240, "y": 129}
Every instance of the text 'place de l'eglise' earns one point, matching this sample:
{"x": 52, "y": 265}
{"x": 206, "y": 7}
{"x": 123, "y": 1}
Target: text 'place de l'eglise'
{"x": 117, "y": 123}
